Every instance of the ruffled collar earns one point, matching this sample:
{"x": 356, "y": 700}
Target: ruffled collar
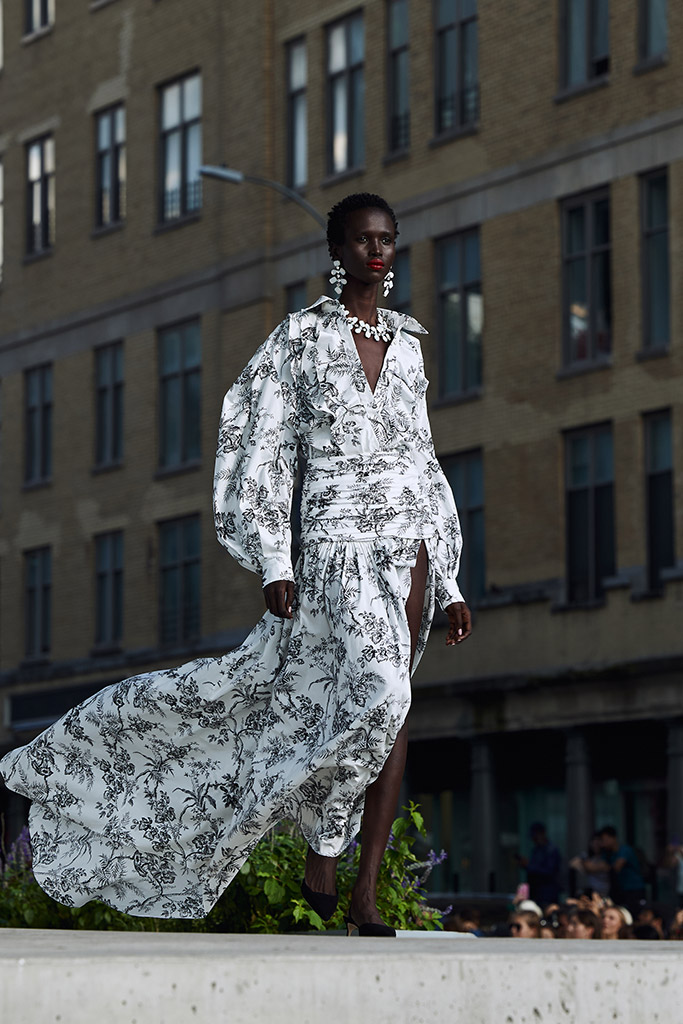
{"x": 394, "y": 319}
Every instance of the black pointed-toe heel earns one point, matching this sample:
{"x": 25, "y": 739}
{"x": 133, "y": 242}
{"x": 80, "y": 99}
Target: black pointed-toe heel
{"x": 368, "y": 931}
{"x": 324, "y": 903}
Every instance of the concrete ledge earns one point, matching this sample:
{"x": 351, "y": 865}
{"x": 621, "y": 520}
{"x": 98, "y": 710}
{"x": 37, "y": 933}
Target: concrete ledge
{"x": 136, "y": 978}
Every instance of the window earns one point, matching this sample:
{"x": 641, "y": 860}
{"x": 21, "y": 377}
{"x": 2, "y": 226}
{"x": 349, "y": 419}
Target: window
{"x": 179, "y": 613}
{"x": 296, "y": 296}
{"x": 457, "y": 73}
{"x": 109, "y": 589}
{"x": 41, "y": 195}
{"x": 587, "y": 286}
{"x": 590, "y": 512}
{"x": 399, "y": 297}
{"x": 181, "y": 147}
{"x": 111, "y": 166}
{"x": 38, "y": 407}
{"x": 109, "y": 404}
{"x": 659, "y": 495}
{"x": 38, "y": 14}
{"x": 461, "y": 314}
{"x": 585, "y": 37}
{"x": 652, "y": 37}
{"x": 398, "y": 105}
{"x": 2, "y": 216}
{"x": 180, "y": 394}
{"x": 346, "y": 94}
{"x": 37, "y": 601}
{"x": 465, "y": 474}
{"x": 297, "y": 114}
{"x": 655, "y": 259}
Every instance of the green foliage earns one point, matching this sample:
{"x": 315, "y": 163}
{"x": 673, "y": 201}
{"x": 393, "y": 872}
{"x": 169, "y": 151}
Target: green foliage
{"x": 264, "y": 897}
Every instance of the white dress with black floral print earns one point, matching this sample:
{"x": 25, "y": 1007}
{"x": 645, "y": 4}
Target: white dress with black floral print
{"x": 151, "y": 794}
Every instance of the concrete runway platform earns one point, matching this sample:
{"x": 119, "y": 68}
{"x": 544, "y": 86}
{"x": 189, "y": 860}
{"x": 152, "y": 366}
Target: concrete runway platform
{"x": 137, "y": 978}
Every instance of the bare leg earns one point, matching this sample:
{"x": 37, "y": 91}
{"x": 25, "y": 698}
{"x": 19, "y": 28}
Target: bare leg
{"x": 382, "y": 796}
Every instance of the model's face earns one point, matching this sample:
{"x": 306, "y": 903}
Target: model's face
{"x": 611, "y": 921}
{"x": 369, "y": 247}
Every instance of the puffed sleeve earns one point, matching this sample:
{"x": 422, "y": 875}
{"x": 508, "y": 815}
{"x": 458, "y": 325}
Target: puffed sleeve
{"x": 448, "y": 539}
{"x": 256, "y": 462}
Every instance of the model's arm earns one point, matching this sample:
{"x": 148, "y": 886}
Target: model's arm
{"x": 256, "y": 463}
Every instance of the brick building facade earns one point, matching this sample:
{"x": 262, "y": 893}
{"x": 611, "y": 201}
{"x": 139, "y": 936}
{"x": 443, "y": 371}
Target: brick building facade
{"x": 537, "y": 172}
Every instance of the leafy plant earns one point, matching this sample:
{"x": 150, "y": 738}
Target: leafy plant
{"x": 264, "y": 897}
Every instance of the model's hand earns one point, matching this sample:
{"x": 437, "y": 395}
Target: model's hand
{"x": 459, "y": 623}
{"x": 279, "y": 596}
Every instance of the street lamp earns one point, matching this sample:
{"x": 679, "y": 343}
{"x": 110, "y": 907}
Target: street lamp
{"x": 238, "y": 177}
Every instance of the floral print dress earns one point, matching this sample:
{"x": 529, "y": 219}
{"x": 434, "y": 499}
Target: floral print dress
{"x": 151, "y": 794}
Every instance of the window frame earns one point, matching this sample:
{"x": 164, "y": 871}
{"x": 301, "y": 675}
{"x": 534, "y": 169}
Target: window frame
{"x": 41, "y": 434}
{"x": 354, "y": 160}
{"x": 595, "y": 581}
{"x": 653, "y": 525}
{"x": 183, "y": 634}
{"x": 46, "y": 16}
{"x": 117, "y": 154}
{"x": 38, "y": 626}
{"x": 593, "y": 74}
{"x": 645, "y": 55}
{"x": 185, "y": 461}
{"x": 109, "y": 606}
{"x": 186, "y": 211}
{"x": 294, "y": 96}
{"x": 402, "y": 274}
{"x": 398, "y": 137}
{"x": 460, "y": 123}
{"x": 594, "y": 357}
{"x": 466, "y": 513}
{"x": 109, "y": 408}
{"x": 464, "y": 288}
{"x": 46, "y": 185}
{"x": 646, "y": 234}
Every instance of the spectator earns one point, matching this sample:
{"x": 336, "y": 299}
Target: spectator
{"x": 645, "y": 931}
{"x": 542, "y": 867}
{"x": 616, "y": 923}
{"x": 466, "y": 919}
{"x": 653, "y": 915}
{"x": 593, "y": 865}
{"x": 525, "y": 925}
{"x": 676, "y": 929}
{"x": 584, "y": 924}
{"x": 628, "y": 884}
{"x": 673, "y": 858}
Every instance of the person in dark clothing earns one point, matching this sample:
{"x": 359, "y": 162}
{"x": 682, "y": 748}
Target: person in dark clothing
{"x": 628, "y": 884}
{"x": 542, "y": 867}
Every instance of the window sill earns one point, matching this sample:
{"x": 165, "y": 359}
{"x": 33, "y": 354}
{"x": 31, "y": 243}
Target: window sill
{"x": 37, "y": 33}
{"x": 647, "y": 595}
{"x": 341, "y": 176}
{"x": 106, "y": 467}
{"x": 672, "y": 574}
{"x": 96, "y": 5}
{"x": 395, "y": 156}
{"x": 453, "y": 134}
{"x": 589, "y": 366}
{"x": 467, "y": 396}
{"x": 646, "y": 64}
{"x": 108, "y": 229}
{"x": 570, "y": 92}
{"x": 36, "y": 485}
{"x": 579, "y": 606}
{"x": 186, "y": 467}
{"x": 652, "y": 353}
{"x": 177, "y": 222}
{"x": 36, "y": 257}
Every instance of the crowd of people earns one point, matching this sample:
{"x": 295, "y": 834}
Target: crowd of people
{"x": 611, "y": 903}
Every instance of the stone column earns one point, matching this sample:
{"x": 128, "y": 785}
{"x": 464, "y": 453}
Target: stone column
{"x": 483, "y": 817}
{"x": 674, "y": 813}
{"x": 579, "y": 788}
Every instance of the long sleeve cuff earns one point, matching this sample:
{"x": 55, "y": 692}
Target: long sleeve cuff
{"x": 447, "y": 592}
{"x": 277, "y": 568}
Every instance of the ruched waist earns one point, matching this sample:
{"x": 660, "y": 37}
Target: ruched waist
{"x": 363, "y": 497}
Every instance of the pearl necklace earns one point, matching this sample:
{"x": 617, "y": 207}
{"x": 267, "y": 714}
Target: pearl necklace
{"x": 382, "y": 332}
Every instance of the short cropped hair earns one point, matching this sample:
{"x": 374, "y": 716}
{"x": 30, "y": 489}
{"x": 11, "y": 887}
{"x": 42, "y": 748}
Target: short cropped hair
{"x": 338, "y": 215}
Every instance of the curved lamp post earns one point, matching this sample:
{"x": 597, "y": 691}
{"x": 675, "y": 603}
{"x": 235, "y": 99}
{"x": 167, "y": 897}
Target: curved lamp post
{"x": 238, "y": 177}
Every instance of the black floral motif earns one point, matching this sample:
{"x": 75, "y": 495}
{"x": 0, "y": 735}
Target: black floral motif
{"x": 151, "y": 794}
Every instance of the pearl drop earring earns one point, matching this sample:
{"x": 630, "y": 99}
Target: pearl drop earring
{"x": 337, "y": 276}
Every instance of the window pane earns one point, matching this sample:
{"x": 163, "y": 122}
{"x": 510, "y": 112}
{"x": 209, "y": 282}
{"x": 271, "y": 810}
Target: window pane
{"x": 170, "y": 547}
{"x": 191, "y": 602}
{"x": 656, "y": 27}
{"x": 192, "y": 415}
{"x": 604, "y": 467}
{"x": 445, "y": 12}
{"x": 170, "y": 107}
{"x": 579, "y": 462}
{"x": 170, "y": 351}
{"x": 601, "y": 221}
{"x": 192, "y": 98}
{"x": 357, "y": 35}
{"x": 657, "y": 202}
{"x": 468, "y": 8}
{"x": 475, "y": 481}
{"x": 337, "y": 48}
{"x": 170, "y": 604}
{"x": 578, "y": 554}
{"x": 472, "y": 268}
{"x": 34, "y": 161}
{"x": 604, "y": 535}
{"x": 103, "y": 131}
{"x": 172, "y": 164}
{"x": 600, "y": 29}
{"x": 193, "y": 346}
{"x": 470, "y": 52}
{"x": 170, "y": 423}
{"x": 576, "y": 41}
{"x": 340, "y": 139}
{"x": 299, "y": 142}
{"x": 576, "y": 230}
{"x": 449, "y": 270}
{"x": 191, "y": 538}
{"x": 193, "y": 162}
{"x": 658, "y": 289}
{"x": 297, "y": 65}
{"x": 120, "y": 125}
{"x": 452, "y": 344}
{"x": 49, "y": 154}
{"x": 398, "y": 23}
{"x": 602, "y": 291}
{"x": 358, "y": 118}
{"x": 659, "y": 447}
{"x": 578, "y": 310}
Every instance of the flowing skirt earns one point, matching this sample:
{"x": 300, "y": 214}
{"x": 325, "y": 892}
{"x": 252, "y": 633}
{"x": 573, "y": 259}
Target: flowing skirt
{"x": 151, "y": 794}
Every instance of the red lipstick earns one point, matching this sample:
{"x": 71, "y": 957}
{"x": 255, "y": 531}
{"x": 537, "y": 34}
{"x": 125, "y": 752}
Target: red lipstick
{"x": 376, "y": 264}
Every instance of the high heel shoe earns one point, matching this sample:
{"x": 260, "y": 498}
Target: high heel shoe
{"x": 378, "y": 931}
{"x": 324, "y": 903}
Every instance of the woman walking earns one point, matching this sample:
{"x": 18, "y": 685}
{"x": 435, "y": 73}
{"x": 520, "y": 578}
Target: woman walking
{"x": 151, "y": 794}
